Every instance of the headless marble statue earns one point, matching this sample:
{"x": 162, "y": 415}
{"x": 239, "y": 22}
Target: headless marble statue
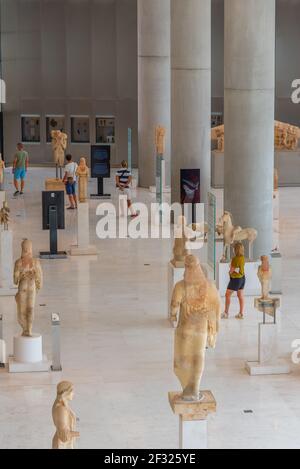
{"x": 199, "y": 305}
{"x": 28, "y": 277}
{"x": 265, "y": 276}
{"x": 160, "y": 140}
{"x": 59, "y": 145}
{"x": 64, "y": 418}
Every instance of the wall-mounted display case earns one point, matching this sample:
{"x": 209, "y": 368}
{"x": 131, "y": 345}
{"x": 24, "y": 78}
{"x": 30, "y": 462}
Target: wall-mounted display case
{"x": 30, "y": 128}
{"x": 54, "y": 123}
{"x": 80, "y": 129}
{"x": 105, "y": 129}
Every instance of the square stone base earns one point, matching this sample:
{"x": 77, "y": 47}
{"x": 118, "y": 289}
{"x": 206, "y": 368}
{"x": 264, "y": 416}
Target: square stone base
{"x": 54, "y": 185}
{"x": 89, "y": 251}
{"x": 17, "y": 367}
{"x": 196, "y": 410}
{"x": 280, "y": 367}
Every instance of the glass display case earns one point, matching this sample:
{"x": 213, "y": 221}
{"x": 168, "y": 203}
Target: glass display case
{"x": 105, "y": 129}
{"x": 80, "y": 129}
{"x": 30, "y": 128}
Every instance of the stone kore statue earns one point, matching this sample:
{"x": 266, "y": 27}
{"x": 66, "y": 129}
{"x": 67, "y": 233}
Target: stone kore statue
{"x": 64, "y": 418}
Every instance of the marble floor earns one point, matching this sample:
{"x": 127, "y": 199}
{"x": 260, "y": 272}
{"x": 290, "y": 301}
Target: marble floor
{"x": 117, "y": 346}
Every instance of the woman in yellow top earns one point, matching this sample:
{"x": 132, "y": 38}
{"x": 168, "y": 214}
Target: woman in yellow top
{"x": 237, "y": 280}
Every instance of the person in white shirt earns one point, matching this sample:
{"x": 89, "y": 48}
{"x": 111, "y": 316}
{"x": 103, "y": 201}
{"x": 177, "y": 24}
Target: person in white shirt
{"x": 70, "y": 181}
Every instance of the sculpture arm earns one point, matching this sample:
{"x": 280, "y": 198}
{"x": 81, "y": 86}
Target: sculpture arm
{"x": 16, "y": 273}
{"x": 176, "y": 301}
{"x": 38, "y": 275}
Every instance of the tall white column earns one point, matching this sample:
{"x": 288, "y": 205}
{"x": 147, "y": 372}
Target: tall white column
{"x": 191, "y": 90}
{"x": 249, "y": 116}
{"x": 154, "y": 95}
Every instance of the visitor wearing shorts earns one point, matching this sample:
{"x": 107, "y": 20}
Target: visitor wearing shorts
{"x": 20, "y": 167}
{"x": 123, "y": 182}
{"x": 70, "y": 181}
{"x": 237, "y": 281}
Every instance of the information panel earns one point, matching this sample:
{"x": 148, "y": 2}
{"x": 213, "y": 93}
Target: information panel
{"x": 100, "y": 161}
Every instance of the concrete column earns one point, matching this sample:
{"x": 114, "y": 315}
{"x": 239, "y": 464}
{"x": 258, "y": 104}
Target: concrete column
{"x": 191, "y": 90}
{"x": 154, "y": 95}
{"x": 249, "y": 116}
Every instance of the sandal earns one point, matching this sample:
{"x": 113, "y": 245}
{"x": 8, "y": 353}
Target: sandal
{"x": 225, "y": 316}
{"x": 239, "y": 316}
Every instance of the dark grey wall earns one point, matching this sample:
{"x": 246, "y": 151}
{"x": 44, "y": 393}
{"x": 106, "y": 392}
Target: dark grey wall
{"x": 70, "y": 57}
{"x": 287, "y": 57}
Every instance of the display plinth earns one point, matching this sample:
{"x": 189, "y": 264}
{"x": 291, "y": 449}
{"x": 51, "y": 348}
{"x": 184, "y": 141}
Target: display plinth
{"x": 193, "y": 419}
{"x": 175, "y": 275}
{"x": 83, "y": 247}
{"x": 276, "y": 262}
{"x": 28, "y": 355}
{"x": 54, "y": 185}
{"x": 6, "y": 264}
{"x": 2, "y": 198}
{"x": 252, "y": 288}
{"x": 268, "y": 362}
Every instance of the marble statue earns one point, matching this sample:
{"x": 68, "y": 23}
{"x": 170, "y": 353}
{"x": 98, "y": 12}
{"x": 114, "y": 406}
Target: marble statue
{"x": 199, "y": 306}
{"x": 232, "y": 234}
{"x": 286, "y": 136}
{"x": 4, "y": 216}
{"x": 180, "y": 250}
{"x": 28, "y": 277}
{"x": 2, "y": 167}
{"x": 160, "y": 140}
{"x": 59, "y": 146}
{"x": 265, "y": 276}
{"x": 64, "y": 418}
{"x": 83, "y": 173}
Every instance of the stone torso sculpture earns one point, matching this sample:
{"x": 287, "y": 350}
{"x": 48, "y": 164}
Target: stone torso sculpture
{"x": 4, "y": 216}
{"x": 83, "y": 173}
{"x": 28, "y": 277}
{"x": 64, "y": 418}
{"x": 59, "y": 146}
{"x": 180, "y": 250}
{"x": 160, "y": 140}
{"x": 2, "y": 167}
{"x": 265, "y": 276}
{"x": 199, "y": 306}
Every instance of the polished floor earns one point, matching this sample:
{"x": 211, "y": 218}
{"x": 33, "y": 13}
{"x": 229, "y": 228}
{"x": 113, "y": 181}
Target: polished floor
{"x": 117, "y": 346}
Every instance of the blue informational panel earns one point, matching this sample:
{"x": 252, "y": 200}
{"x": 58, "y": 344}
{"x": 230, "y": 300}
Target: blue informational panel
{"x": 211, "y": 237}
{"x": 100, "y": 161}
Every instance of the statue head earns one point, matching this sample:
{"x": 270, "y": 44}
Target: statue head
{"x": 26, "y": 248}
{"x": 65, "y": 391}
{"x": 82, "y": 162}
{"x": 193, "y": 271}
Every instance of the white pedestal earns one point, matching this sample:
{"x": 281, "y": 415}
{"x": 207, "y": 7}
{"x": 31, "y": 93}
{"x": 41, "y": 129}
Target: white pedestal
{"x": 268, "y": 363}
{"x": 2, "y": 351}
{"x": 175, "y": 275}
{"x": 253, "y": 286}
{"x": 83, "y": 247}
{"x": 6, "y": 264}
{"x": 193, "y": 419}
{"x": 192, "y": 434}
{"x": 276, "y": 260}
{"x": 2, "y": 198}
{"x": 28, "y": 355}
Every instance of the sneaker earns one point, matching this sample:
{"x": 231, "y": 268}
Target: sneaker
{"x": 21, "y": 193}
{"x": 71, "y": 208}
{"x": 16, "y": 193}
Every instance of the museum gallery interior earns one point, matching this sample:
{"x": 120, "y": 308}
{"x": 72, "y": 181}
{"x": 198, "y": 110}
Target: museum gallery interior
{"x": 149, "y": 224}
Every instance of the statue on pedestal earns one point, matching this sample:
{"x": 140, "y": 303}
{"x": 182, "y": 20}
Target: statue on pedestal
{"x": 265, "y": 276}
{"x": 2, "y": 167}
{"x": 160, "y": 140}
{"x": 4, "y": 216}
{"x": 59, "y": 146}
{"x": 64, "y": 418}
{"x": 180, "y": 250}
{"x": 199, "y": 306}
{"x": 28, "y": 277}
{"x": 83, "y": 173}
